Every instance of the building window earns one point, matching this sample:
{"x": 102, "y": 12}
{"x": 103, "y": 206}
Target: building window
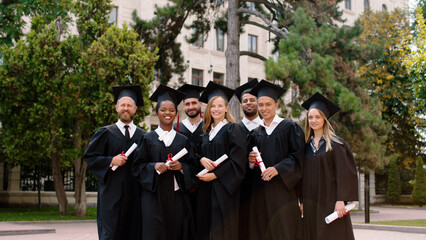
{"x": 218, "y": 78}
{"x": 197, "y": 77}
{"x": 200, "y": 41}
{"x": 384, "y": 7}
{"x": 348, "y": 4}
{"x": 218, "y": 40}
{"x": 113, "y": 16}
{"x": 251, "y": 6}
{"x": 366, "y": 4}
{"x": 252, "y": 43}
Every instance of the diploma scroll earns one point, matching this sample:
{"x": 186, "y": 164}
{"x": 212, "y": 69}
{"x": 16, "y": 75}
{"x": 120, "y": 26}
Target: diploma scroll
{"x": 330, "y": 218}
{"x": 259, "y": 160}
{"x": 176, "y": 157}
{"x": 216, "y": 163}
{"x": 127, "y": 154}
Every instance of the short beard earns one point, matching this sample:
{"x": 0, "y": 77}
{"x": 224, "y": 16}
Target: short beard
{"x": 195, "y": 114}
{"x": 250, "y": 114}
{"x": 126, "y": 119}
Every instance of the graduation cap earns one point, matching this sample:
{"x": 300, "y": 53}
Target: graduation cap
{"x": 245, "y": 88}
{"x": 214, "y": 89}
{"x": 132, "y": 91}
{"x": 164, "y": 92}
{"x": 318, "y": 101}
{"x": 265, "y": 88}
{"x": 191, "y": 91}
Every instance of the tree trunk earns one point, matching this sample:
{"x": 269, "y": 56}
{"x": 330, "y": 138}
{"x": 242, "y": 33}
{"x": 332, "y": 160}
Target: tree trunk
{"x": 79, "y": 176}
{"x": 232, "y": 54}
{"x": 57, "y": 180}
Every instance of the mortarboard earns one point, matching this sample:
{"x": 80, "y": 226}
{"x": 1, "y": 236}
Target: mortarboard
{"x": 265, "y": 88}
{"x": 132, "y": 91}
{"x": 191, "y": 91}
{"x": 318, "y": 101}
{"x": 164, "y": 92}
{"x": 245, "y": 88}
{"x": 215, "y": 89}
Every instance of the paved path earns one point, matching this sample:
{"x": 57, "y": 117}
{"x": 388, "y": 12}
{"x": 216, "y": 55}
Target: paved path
{"x": 86, "y": 230}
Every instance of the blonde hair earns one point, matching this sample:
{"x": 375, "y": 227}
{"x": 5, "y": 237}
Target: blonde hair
{"x": 328, "y": 132}
{"x": 208, "y": 119}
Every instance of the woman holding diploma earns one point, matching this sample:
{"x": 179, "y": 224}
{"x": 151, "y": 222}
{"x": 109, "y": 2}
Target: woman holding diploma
{"x": 330, "y": 175}
{"x": 218, "y": 197}
{"x": 166, "y": 208}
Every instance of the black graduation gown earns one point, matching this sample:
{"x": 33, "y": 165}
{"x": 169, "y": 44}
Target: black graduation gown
{"x": 274, "y": 208}
{"x": 194, "y": 137}
{"x": 166, "y": 213}
{"x": 218, "y": 200}
{"x": 243, "y": 231}
{"x": 328, "y": 177}
{"x": 118, "y": 202}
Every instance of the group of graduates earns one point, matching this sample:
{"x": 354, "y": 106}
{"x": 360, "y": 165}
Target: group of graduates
{"x": 284, "y": 190}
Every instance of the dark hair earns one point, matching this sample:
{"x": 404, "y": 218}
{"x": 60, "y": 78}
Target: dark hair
{"x": 157, "y": 107}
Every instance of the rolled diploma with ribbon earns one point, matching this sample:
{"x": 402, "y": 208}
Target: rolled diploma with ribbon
{"x": 259, "y": 160}
{"x": 216, "y": 163}
{"x": 330, "y": 218}
{"x": 127, "y": 154}
{"x": 176, "y": 157}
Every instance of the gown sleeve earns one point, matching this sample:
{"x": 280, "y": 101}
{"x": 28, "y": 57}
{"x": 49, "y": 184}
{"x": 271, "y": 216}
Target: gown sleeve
{"x": 189, "y": 168}
{"x": 231, "y": 174}
{"x": 290, "y": 167}
{"x": 345, "y": 172}
{"x": 95, "y": 154}
{"x": 144, "y": 170}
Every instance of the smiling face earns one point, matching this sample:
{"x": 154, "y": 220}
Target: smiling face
{"x": 249, "y": 104}
{"x": 126, "y": 109}
{"x": 218, "y": 109}
{"x": 315, "y": 120}
{"x": 267, "y": 108}
{"x": 166, "y": 113}
{"x": 192, "y": 107}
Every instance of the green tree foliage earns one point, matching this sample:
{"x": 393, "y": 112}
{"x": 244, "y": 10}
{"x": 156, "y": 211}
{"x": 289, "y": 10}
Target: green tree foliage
{"x": 12, "y": 13}
{"x": 419, "y": 191}
{"x": 322, "y": 58}
{"x": 56, "y": 89}
{"x": 393, "y": 193}
{"x": 392, "y": 83}
{"x": 161, "y": 32}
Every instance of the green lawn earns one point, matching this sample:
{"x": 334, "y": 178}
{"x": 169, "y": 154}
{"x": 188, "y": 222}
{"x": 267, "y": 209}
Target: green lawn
{"x": 45, "y": 214}
{"x": 411, "y": 223}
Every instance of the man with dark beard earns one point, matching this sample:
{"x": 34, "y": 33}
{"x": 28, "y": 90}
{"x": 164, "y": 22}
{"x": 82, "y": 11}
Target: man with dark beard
{"x": 118, "y": 204}
{"x": 192, "y": 126}
{"x": 250, "y": 121}
{"x": 248, "y": 102}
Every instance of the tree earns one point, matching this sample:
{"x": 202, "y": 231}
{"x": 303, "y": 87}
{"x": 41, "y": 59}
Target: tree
{"x": 56, "y": 91}
{"x": 393, "y": 193}
{"x": 322, "y": 58}
{"x": 419, "y": 191}
{"x": 414, "y": 61}
{"x": 162, "y": 31}
{"x": 392, "y": 83}
{"x": 32, "y": 80}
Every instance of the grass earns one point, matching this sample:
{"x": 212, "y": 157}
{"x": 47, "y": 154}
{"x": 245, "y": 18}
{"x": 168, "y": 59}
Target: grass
{"x": 45, "y": 214}
{"x": 411, "y": 223}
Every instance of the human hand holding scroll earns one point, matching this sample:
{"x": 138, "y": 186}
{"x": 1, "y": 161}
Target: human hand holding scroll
{"x": 127, "y": 154}
{"x": 330, "y": 218}
{"x": 176, "y": 157}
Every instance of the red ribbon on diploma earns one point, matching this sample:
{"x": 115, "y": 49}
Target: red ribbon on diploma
{"x": 257, "y": 164}
{"x": 169, "y": 157}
